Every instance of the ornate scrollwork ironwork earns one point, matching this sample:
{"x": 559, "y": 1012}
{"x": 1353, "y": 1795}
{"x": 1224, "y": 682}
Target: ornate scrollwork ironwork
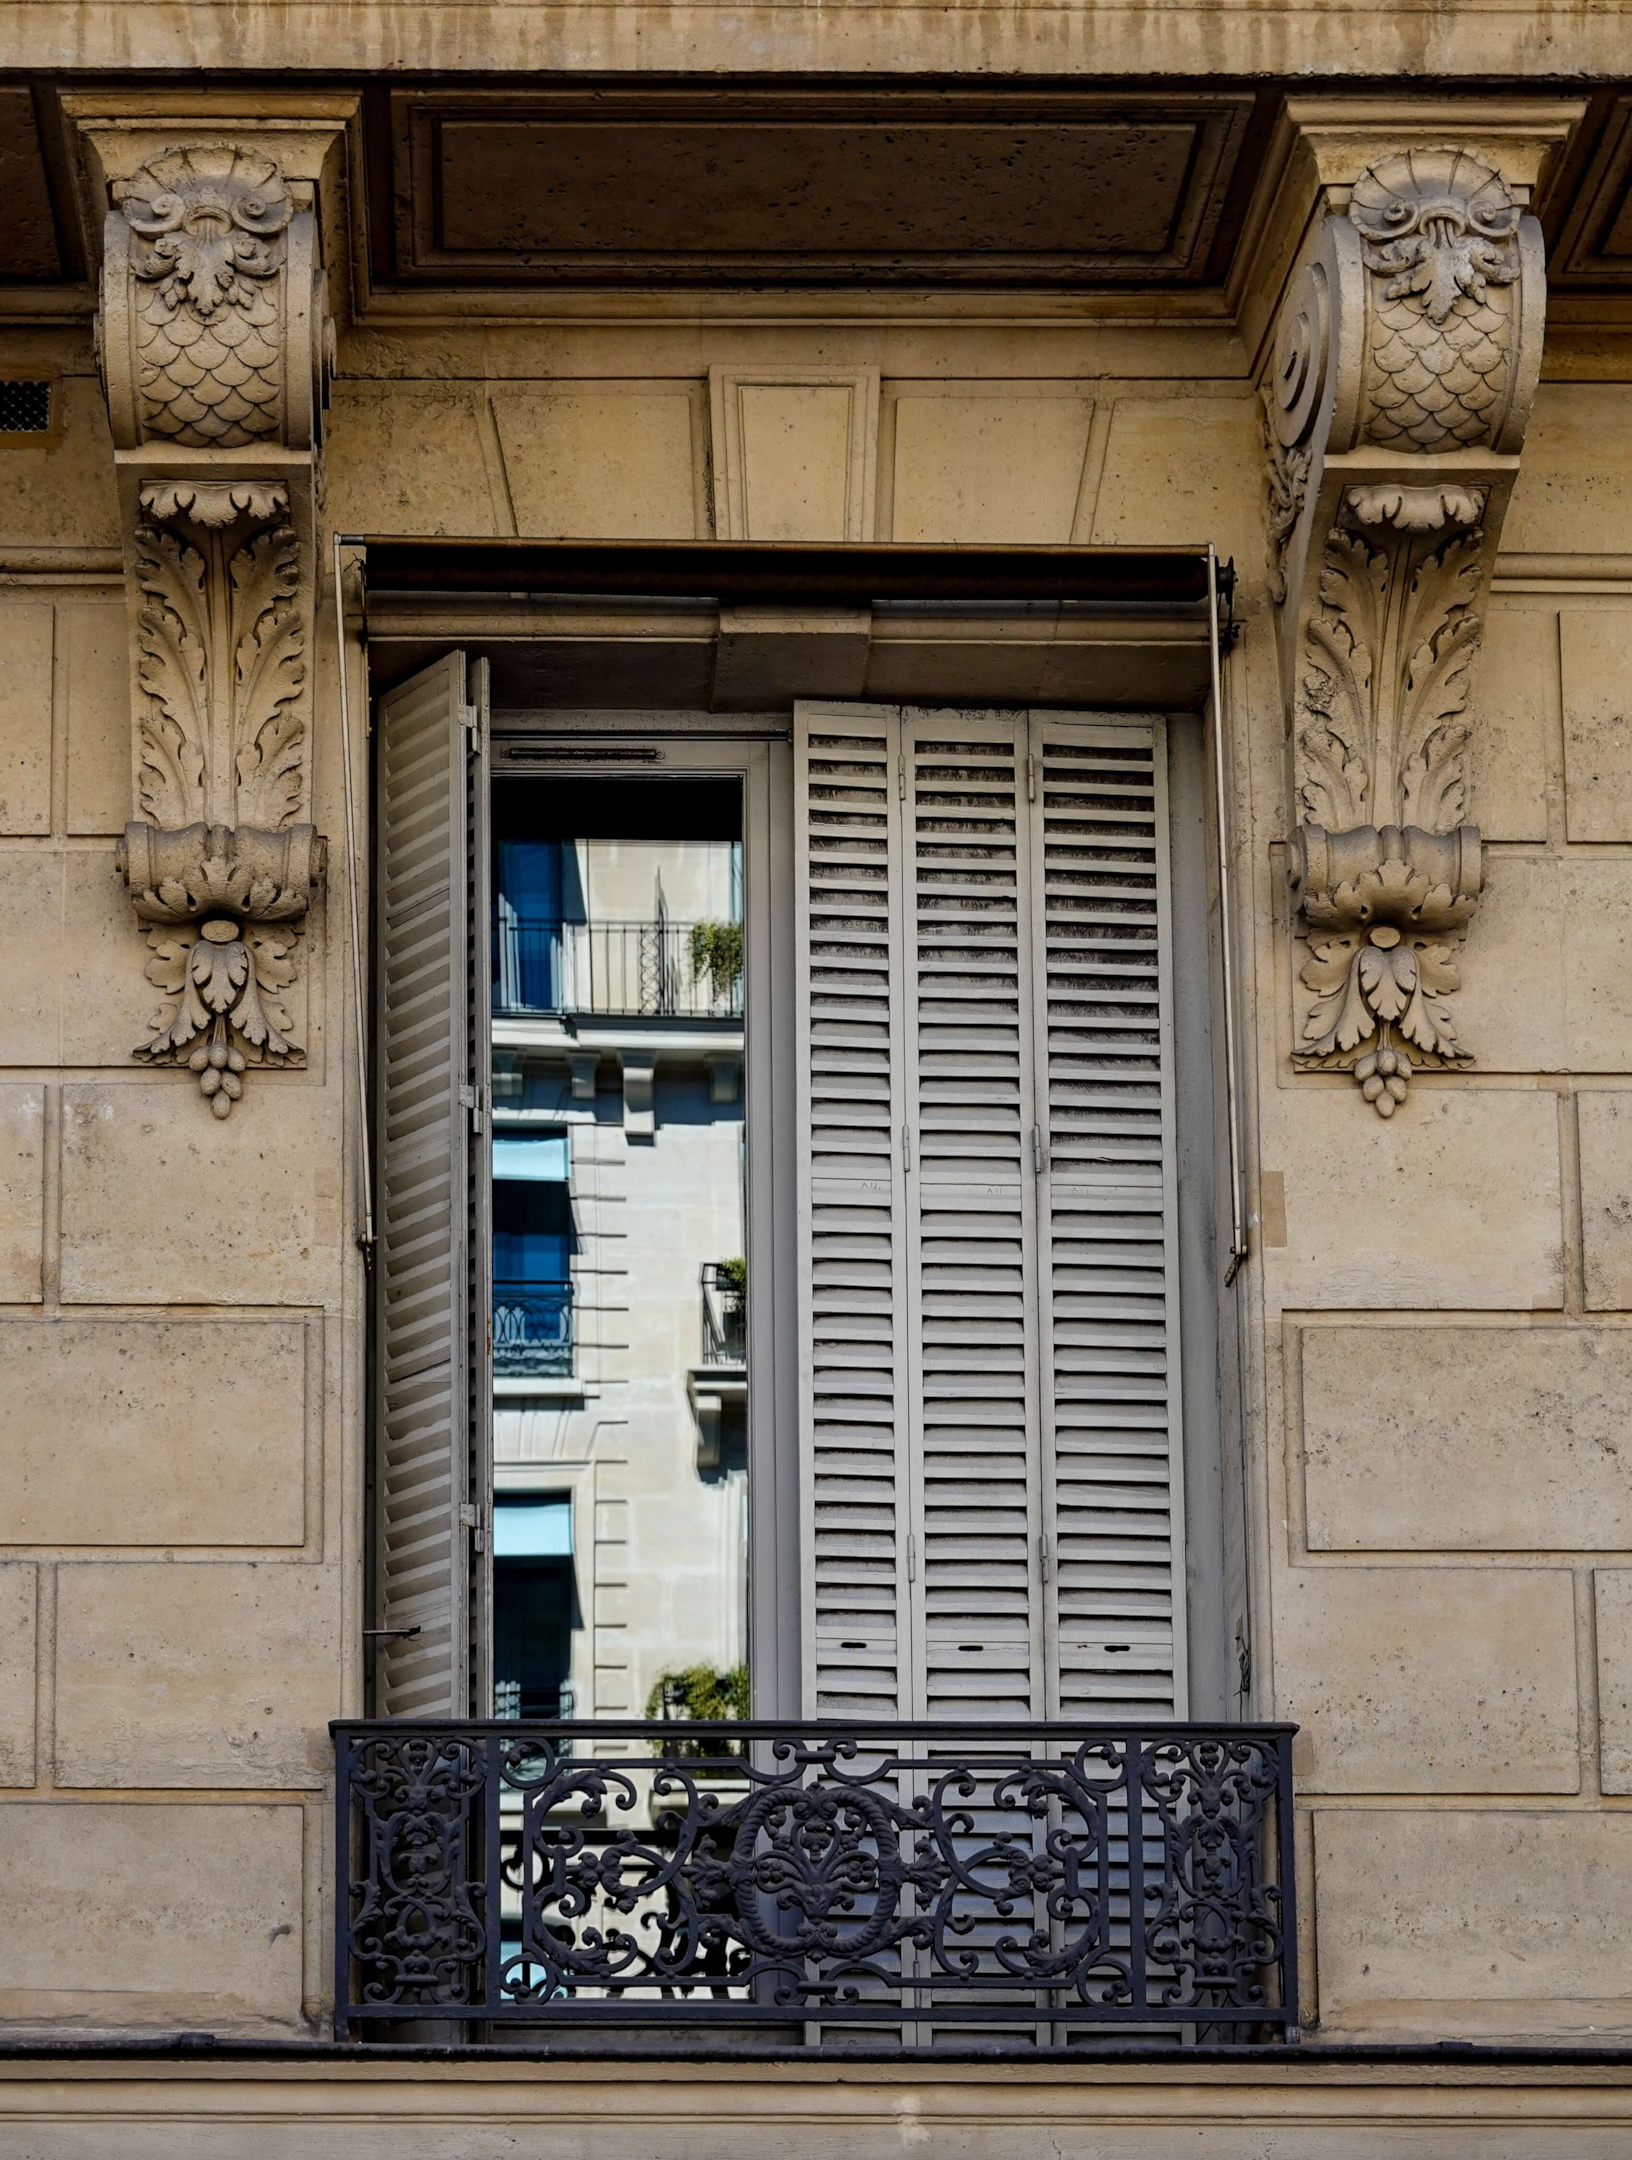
{"x": 921, "y": 1878}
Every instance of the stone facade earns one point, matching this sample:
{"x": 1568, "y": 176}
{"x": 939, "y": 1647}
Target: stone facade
{"x": 1428, "y": 1351}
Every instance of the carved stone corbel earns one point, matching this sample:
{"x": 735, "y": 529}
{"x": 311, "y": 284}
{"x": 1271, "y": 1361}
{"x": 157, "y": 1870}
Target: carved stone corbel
{"x": 214, "y": 342}
{"x": 1406, "y": 358}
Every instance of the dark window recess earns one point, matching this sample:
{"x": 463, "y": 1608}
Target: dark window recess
{"x": 25, "y": 408}
{"x": 532, "y": 1637}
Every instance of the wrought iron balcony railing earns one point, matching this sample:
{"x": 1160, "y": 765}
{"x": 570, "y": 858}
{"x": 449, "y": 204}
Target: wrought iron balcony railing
{"x": 532, "y": 1330}
{"x": 914, "y": 1885}
{"x": 651, "y": 970}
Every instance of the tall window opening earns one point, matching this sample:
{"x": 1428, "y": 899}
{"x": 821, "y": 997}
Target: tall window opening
{"x": 619, "y": 1265}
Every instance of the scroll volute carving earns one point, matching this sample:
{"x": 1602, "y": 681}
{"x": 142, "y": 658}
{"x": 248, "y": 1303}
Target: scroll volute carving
{"x": 213, "y": 338}
{"x": 1405, "y": 364}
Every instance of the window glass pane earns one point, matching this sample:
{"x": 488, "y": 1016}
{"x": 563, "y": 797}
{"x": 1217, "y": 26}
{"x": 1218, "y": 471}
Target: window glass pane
{"x": 620, "y": 1332}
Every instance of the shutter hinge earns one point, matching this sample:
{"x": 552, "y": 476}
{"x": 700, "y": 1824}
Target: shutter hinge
{"x": 470, "y": 719}
{"x": 901, "y": 778}
{"x": 470, "y": 1518}
{"x": 1039, "y": 1160}
{"x": 906, "y": 1147}
{"x": 1044, "y": 1555}
{"x": 912, "y": 1559}
{"x": 471, "y": 1099}
{"x": 1031, "y": 777}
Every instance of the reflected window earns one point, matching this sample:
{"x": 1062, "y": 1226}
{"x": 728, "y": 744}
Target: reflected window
{"x": 620, "y": 1284}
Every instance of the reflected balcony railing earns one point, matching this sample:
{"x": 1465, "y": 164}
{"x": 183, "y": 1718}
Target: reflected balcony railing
{"x": 647, "y": 970}
{"x": 823, "y": 1884}
{"x": 725, "y": 1313}
{"x": 532, "y": 1330}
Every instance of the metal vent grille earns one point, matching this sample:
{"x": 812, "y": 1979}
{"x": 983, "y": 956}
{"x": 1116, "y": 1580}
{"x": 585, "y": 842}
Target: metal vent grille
{"x": 25, "y": 408}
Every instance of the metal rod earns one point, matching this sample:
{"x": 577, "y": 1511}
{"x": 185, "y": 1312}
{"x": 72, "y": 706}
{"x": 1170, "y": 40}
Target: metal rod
{"x": 1232, "y": 1110}
{"x": 365, "y": 1171}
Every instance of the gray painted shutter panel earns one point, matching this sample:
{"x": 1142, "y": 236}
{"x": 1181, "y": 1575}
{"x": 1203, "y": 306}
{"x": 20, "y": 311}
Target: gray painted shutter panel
{"x": 1102, "y": 949}
{"x": 423, "y": 1130}
{"x": 853, "y": 1315}
{"x": 971, "y": 1204}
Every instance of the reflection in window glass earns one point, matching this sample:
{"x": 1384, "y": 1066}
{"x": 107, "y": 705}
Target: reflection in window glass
{"x": 620, "y": 1290}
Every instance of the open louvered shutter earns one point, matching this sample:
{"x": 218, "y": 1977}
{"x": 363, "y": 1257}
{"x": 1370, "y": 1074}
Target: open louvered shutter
{"x": 856, "y": 1633}
{"x": 1110, "y": 1318}
{"x": 970, "y": 1208}
{"x": 425, "y": 1385}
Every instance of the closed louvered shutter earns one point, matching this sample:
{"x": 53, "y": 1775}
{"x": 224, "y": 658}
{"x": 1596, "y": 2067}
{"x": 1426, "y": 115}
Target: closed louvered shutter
{"x": 971, "y": 1237}
{"x": 992, "y": 1454}
{"x": 853, "y": 1319}
{"x": 428, "y": 1390}
{"x": 1104, "y": 1033}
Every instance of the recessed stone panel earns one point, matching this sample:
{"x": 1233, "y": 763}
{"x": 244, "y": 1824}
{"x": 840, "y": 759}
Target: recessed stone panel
{"x": 1606, "y": 1197}
{"x": 22, "y": 1191}
{"x": 19, "y": 1601}
{"x": 1612, "y": 1601}
{"x": 1513, "y": 748}
{"x": 161, "y": 1198}
{"x": 95, "y": 659}
{"x": 1407, "y": 1212}
{"x": 408, "y": 459}
{"x": 1183, "y": 471}
{"x": 594, "y": 465}
{"x": 118, "y": 1913}
{"x": 1429, "y": 1680}
{"x": 1485, "y": 1920}
{"x": 1547, "y": 971}
{"x": 1574, "y": 491}
{"x": 994, "y": 468}
{"x": 1468, "y": 1439}
{"x": 163, "y": 1431}
{"x": 25, "y": 716}
{"x": 1597, "y": 697}
{"x": 31, "y": 907}
{"x": 196, "y": 1673}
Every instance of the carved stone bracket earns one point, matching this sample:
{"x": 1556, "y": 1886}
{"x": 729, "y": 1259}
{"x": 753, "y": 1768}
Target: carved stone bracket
{"x": 214, "y": 339}
{"x": 1405, "y": 362}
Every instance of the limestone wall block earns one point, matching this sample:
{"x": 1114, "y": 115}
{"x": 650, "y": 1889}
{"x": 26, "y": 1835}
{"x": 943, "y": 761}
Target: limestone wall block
{"x": 1547, "y": 985}
{"x": 161, "y": 1200}
{"x": 1512, "y": 748}
{"x": 408, "y": 459}
{"x": 203, "y": 1673}
{"x": 63, "y": 494}
{"x": 1597, "y": 700}
{"x": 1429, "y": 1680}
{"x": 993, "y": 467}
{"x": 1574, "y": 493}
{"x": 26, "y": 628}
{"x": 22, "y": 1190}
{"x": 1612, "y": 1613}
{"x": 1182, "y": 470}
{"x": 19, "y": 1604}
{"x": 93, "y": 656}
{"x": 158, "y": 1431}
{"x": 1606, "y": 1197}
{"x": 195, "y": 1921}
{"x": 1526, "y": 1445}
{"x": 1408, "y": 1213}
{"x": 1487, "y": 1920}
{"x": 595, "y": 464}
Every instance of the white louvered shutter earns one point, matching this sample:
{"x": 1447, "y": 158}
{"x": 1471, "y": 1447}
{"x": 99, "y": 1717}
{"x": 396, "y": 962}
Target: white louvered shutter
{"x": 427, "y": 1390}
{"x": 1112, "y": 1457}
{"x": 993, "y": 1485}
{"x": 857, "y": 1645}
{"x": 971, "y": 1227}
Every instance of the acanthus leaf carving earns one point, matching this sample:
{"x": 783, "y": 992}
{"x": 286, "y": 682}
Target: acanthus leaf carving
{"x": 173, "y": 638}
{"x": 270, "y": 674}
